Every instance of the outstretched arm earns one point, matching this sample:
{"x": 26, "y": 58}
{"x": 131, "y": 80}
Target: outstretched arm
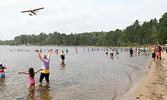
{"x": 49, "y": 54}
{"x": 37, "y": 71}
{"x": 4, "y": 67}
{"x": 23, "y": 73}
{"x": 39, "y": 55}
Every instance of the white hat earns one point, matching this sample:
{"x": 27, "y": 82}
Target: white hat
{"x": 0, "y": 63}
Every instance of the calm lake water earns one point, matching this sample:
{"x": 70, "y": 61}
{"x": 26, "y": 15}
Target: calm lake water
{"x": 85, "y": 76}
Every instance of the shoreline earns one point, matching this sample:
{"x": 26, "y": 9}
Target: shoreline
{"x": 153, "y": 85}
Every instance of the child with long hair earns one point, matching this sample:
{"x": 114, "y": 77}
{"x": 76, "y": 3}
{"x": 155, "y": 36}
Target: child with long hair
{"x": 31, "y": 74}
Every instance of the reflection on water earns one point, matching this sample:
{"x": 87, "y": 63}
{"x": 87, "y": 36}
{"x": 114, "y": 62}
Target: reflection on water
{"x": 31, "y": 94}
{"x": 43, "y": 92}
{"x": 62, "y": 66}
{"x": 89, "y": 74}
{"x": 2, "y": 84}
{"x": 40, "y": 93}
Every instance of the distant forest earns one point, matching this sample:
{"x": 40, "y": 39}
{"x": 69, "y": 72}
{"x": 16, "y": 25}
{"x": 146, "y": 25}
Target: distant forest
{"x": 147, "y": 33}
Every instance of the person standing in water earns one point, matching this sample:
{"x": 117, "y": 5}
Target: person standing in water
{"x": 76, "y": 50}
{"x": 138, "y": 51}
{"x": 31, "y": 74}
{"x": 66, "y": 50}
{"x": 131, "y": 51}
{"x": 2, "y": 73}
{"x": 56, "y": 51}
{"x": 45, "y": 66}
{"x": 117, "y": 53}
{"x": 62, "y": 56}
{"x": 106, "y": 50}
{"x": 112, "y": 54}
{"x": 144, "y": 50}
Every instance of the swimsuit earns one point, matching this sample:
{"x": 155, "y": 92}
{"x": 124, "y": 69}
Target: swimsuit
{"x": 62, "y": 57}
{"x": 158, "y": 53}
{"x": 153, "y": 55}
{"x": 31, "y": 80}
{"x": 131, "y": 51}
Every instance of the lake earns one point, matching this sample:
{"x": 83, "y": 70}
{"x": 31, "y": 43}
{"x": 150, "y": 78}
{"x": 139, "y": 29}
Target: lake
{"x": 84, "y": 76}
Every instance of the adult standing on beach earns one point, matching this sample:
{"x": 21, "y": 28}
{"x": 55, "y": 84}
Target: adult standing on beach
{"x": 166, "y": 47}
{"x": 153, "y": 50}
{"x": 159, "y": 52}
{"x": 45, "y": 66}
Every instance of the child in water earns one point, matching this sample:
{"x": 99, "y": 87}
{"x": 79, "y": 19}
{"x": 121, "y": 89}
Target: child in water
{"x": 2, "y": 73}
{"x": 31, "y": 74}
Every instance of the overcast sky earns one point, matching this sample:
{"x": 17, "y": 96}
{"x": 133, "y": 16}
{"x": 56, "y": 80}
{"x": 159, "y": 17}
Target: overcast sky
{"x": 74, "y": 16}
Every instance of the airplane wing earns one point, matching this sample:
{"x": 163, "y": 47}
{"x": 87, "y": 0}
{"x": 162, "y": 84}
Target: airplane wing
{"x": 26, "y": 11}
{"x": 38, "y": 9}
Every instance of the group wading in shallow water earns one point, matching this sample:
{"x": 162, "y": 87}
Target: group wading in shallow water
{"x": 45, "y": 70}
{"x": 45, "y": 60}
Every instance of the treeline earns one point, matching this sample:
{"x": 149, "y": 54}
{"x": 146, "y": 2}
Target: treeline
{"x": 147, "y": 33}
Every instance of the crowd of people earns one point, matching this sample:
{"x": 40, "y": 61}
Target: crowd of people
{"x": 156, "y": 51}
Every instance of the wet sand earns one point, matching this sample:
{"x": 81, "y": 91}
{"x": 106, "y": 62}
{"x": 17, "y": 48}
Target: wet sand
{"x": 153, "y": 86}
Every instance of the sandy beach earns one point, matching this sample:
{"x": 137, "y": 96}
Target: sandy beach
{"x": 153, "y": 85}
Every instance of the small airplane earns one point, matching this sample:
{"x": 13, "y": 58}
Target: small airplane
{"x": 33, "y": 11}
